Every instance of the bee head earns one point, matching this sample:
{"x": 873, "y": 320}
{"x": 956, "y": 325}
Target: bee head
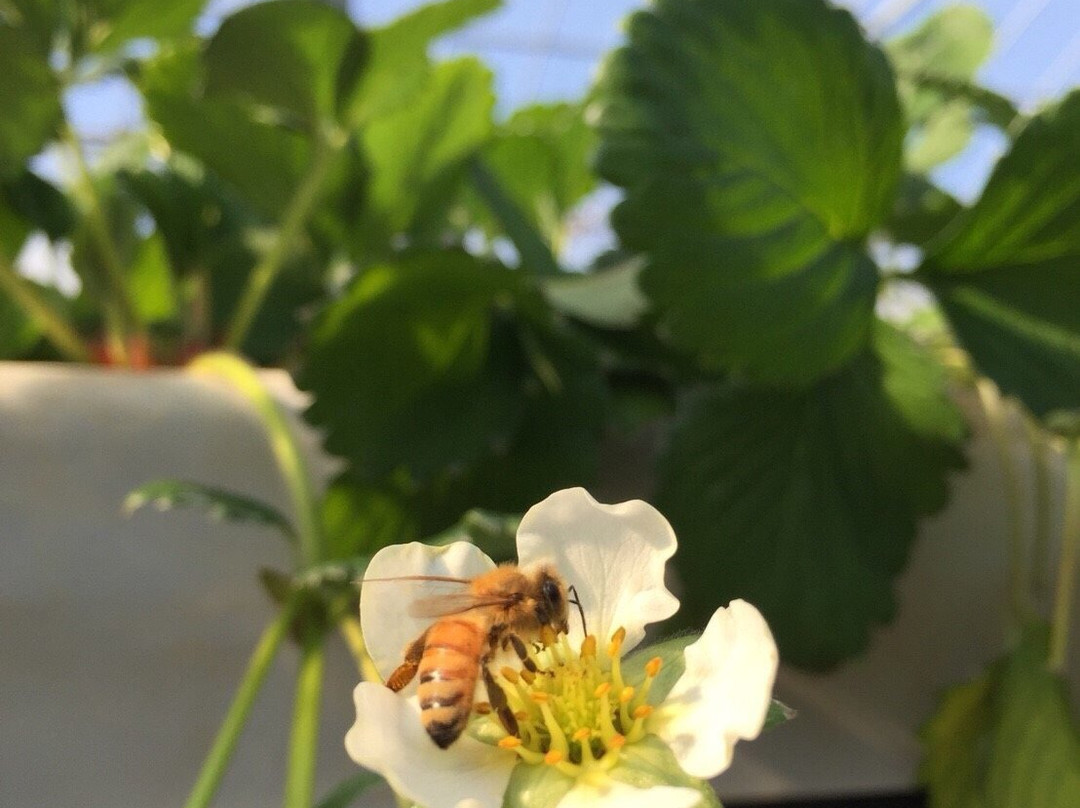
{"x": 551, "y": 601}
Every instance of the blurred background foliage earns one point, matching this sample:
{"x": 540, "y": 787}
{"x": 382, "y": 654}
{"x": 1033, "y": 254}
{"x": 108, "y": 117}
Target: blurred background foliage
{"x": 332, "y": 200}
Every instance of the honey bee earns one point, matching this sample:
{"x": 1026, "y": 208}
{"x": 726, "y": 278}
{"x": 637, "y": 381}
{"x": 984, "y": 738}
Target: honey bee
{"x": 501, "y": 609}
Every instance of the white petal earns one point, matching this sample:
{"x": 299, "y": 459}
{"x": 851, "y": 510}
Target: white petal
{"x": 384, "y": 605}
{"x": 389, "y": 739}
{"x": 724, "y": 693}
{"x": 613, "y": 554}
{"x": 614, "y": 794}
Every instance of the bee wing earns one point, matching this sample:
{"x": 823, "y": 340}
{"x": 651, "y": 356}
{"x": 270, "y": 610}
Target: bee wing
{"x": 454, "y": 603}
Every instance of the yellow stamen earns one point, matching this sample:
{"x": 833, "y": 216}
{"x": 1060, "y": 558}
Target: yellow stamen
{"x": 510, "y": 675}
{"x": 652, "y": 667}
{"x": 553, "y": 757}
{"x": 601, "y": 689}
{"x": 510, "y": 742}
{"x": 528, "y": 676}
{"x": 581, "y": 734}
{"x": 626, "y": 695}
{"x": 482, "y": 707}
{"x": 588, "y": 646}
{"x": 616, "y": 643}
{"x": 558, "y": 739}
{"x": 617, "y": 742}
{"x": 539, "y": 696}
{"x": 547, "y": 636}
{"x": 643, "y": 711}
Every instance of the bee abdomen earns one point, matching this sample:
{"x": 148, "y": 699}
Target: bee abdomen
{"x": 448, "y": 673}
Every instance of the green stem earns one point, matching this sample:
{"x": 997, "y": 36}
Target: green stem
{"x": 1040, "y": 545}
{"x": 536, "y": 255}
{"x": 217, "y": 760}
{"x": 125, "y": 319}
{"x": 304, "y": 741}
{"x": 997, "y": 421}
{"x": 55, "y": 328}
{"x": 1067, "y": 564}
{"x": 290, "y": 460}
{"x": 326, "y": 148}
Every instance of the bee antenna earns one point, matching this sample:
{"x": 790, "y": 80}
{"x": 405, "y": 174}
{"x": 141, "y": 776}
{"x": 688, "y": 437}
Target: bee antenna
{"x": 581, "y": 611}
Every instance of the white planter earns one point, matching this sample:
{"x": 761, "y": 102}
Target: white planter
{"x": 123, "y": 639}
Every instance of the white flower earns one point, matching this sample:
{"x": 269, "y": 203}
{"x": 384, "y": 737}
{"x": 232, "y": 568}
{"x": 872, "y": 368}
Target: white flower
{"x": 614, "y": 555}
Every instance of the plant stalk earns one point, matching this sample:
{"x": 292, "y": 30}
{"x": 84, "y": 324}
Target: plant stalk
{"x": 1067, "y": 563}
{"x": 55, "y": 328}
{"x": 997, "y": 421}
{"x": 217, "y": 759}
{"x": 287, "y": 455}
{"x": 304, "y": 740}
{"x": 122, "y": 318}
{"x": 536, "y": 255}
{"x": 1040, "y": 544}
{"x": 327, "y": 146}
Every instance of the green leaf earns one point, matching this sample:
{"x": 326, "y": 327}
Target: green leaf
{"x": 494, "y": 533}
{"x": 401, "y": 367}
{"x": 264, "y": 162}
{"x": 150, "y": 282}
{"x": 942, "y": 137}
{"x": 986, "y": 105}
{"x": 921, "y": 211}
{"x": 540, "y": 157}
{"x": 759, "y": 144}
{"x": 29, "y": 99}
{"x": 805, "y": 503}
{"x": 417, "y": 153}
{"x": 1005, "y": 739}
{"x": 348, "y": 791}
{"x": 1007, "y": 271}
{"x": 359, "y": 518}
{"x": 220, "y": 504}
{"x": 136, "y": 19}
{"x": 40, "y": 204}
{"x": 562, "y": 402}
{"x": 608, "y": 298}
{"x": 397, "y": 65}
{"x": 948, "y": 46}
{"x": 290, "y": 55}
{"x": 18, "y": 333}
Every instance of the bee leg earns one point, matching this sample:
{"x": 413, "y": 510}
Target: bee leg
{"x": 519, "y": 649}
{"x": 405, "y": 672}
{"x": 499, "y": 703}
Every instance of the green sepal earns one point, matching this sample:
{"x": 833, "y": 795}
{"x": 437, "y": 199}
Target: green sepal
{"x": 673, "y": 665}
{"x": 643, "y": 764}
{"x": 649, "y": 762}
{"x": 535, "y": 787}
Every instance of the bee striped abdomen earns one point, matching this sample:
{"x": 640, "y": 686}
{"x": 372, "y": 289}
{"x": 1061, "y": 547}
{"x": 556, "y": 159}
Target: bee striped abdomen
{"x": 448, "y": 672}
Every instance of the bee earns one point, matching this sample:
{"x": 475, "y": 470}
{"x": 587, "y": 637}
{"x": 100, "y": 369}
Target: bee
{"x": 499, "y": 610}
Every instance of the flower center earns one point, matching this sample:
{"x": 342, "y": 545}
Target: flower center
{"x": 575, "y": 712}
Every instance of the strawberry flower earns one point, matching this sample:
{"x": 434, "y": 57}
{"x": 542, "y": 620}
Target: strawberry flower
{"x": 597, "y": 727}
